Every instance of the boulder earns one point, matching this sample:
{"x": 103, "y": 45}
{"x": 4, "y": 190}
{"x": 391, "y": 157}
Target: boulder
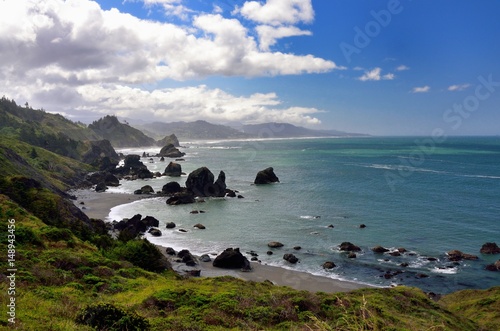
{"x": 349, "y": 247}
{"x": 231, "y": 258}
{"x": 351, "y": 255}
{"x": 170, "y": 225}
{"x": 490, "y": 248}
{"x": 266, "y": 176}
{"x": 150, "y": 221}
{"x": 230, "y": 193}
{"x": 173, "y": 170}
{"x": 362, "y": 226}
{"x": 171, "y": 188}
{"x": 328, "y": 265}
{"x": 181, "y": 198}
{"x": 133, "y": 167}
{"x": 297, "y": 248}
{"x": 170, "y": 251}
{"x": 147, "y": 189}
{"x": 379, "y": 249}
{"x": 456, "y": 255}
{"x": 101, "y": 187}
{"x": 275, "y": 244}
{"x": 171, "y": 151}
{"x": 205, "y": 258}
{"x": 199, "y": 226}
{"x": 132, "y": 227}
{"x": 187, "y": 257}
{"x": 494, "y": 266}
{"x": 155, "y": 232}
{"x": 102, "y": 177}
{"x": 201, "y": 183}
{"x": 290, "y": 258}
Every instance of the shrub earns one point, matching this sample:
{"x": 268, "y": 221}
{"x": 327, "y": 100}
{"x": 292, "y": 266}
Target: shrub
{"x": 104, "y": 316}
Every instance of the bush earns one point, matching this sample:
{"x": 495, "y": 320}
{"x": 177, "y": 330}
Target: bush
{"x": 143, "y": 254}
{"x": 104, "y": 316}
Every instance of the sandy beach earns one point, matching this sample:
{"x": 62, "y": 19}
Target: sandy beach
{"x": 98, "y": 205}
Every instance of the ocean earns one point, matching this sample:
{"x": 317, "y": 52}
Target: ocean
{"x": 423, "y": 195}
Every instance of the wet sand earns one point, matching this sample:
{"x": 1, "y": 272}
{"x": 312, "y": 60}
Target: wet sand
{"x": 98, "y": 205}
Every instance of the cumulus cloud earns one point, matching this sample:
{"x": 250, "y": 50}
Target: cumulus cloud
{"x": 459, "y": 87}
{"x": 278, "y": 12}
{"x": 376, "y": 75}
{"x": 192, "y": 103}
{"x": 73, "y": 55}
{"x": 422, "y": 89}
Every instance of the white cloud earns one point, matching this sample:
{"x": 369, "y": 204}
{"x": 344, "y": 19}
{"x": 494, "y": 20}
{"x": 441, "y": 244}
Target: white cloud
{"x": 422, "y": 89}
{"x": 269, "y": 34}
{"x": 72, "y": 55}
{"x": 375, "y": 75}
{"x": 278, "y": 12}
{"x": 192, "y": 103}
{"x": 402, "y": 68}
{"x": 459, "y": 87}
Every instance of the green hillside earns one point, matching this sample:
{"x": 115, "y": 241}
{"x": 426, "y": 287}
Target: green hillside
{"x": 119, "y": 134}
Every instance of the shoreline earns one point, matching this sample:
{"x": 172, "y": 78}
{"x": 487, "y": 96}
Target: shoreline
{"x": 98, "y": 205}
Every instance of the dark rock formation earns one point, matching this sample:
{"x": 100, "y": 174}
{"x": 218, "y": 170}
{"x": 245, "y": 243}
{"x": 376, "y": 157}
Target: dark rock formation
{"x": 490, "y": 248}
{"x": 101, "y": 155}
{"x": 328, "y": 265}
{"x": 230, "y": 193}
{"x": 232, "y": 259}
{"x": 297, "y": 248}
{"x": 171, "y": 151}
{"x": 132, "y": 227}
{"x": 102, "y": 177}
{"x": 266, "y": 176}
{"x": 170, "y": 251}
{"x": 290, "y": 258}
{"x": 347, "y": 246}
{"x": 101, "y": 187}
{"x": 187, "y": 257}
{"x": 379, "y": 249}
{"x": 133, "y": 167}
{"x": 171, "y": 188}
{"x": 205, "y": 258}
{"x": 155, "y": 232}
{"x": 275, "y": 244}
{"x": 201, "y": 183}
{"x": 494, "y": 266}
{"x": 169, "y": 140}
{"x": 170, "y": 225}
{"x": 456, "y": 255}
{"x": 362, "y": 226}
{"x": 173, "y": 170}
{"x": 199, "y": 226}
{"x": 181, "y": 198}
{"x": 147, "y": 189}
{"x": 351, "y": 255}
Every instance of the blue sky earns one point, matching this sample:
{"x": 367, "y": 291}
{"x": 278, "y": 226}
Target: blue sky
{"x": 377, "y": 67}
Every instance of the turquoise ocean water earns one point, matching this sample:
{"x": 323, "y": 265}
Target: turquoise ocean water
{"x": 409, "y": 192}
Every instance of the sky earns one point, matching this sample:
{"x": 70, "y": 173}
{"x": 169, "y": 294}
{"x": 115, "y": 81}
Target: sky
{"x": 396, "y": 67}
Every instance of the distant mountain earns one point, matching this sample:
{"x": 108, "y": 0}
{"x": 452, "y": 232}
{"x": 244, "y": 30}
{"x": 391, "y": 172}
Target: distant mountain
{"x": 120, "y": 134}
{"x": 285, "y": 130}
{"x": 197, "y": 130}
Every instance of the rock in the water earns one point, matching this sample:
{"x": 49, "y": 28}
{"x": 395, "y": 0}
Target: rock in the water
{"x": 171, "y": 188}
{"x": 131, "y": 228}
{"x": 362, "y": 226}
{"x": 269, "y": 253}
{"x": 201, "y": 183}
{"x": 456, "y": 255}
{"x": 170, "y": 225}
{"x": 328, "y": 265}
{"x": 150, "y": 221}
{"x": 171, "y": 151}
{"x": 347, "y": 246}
{"x": 297, "y": 248}
{"x": 351, "y": 255}
{"x": 230, "y": 193}
{"x": 275, "y": 244}
{"x": 290, "y": 258}
{"x": 266, "y": 176}
{"x": 155, "y": 232}
{"x": 490, "y": 248}
{"x": 494, "y": 266}
{"x": 205, "y": 258}
{"x": 146, "y": 189}
{"x": 170, "y": 251}
{"x": 231, "y": 259}
{"x": 181, "y": 198}
{"x": 199, "y": 226}
{"x": 173, "y": 170}
{"x": 379, "y": 249}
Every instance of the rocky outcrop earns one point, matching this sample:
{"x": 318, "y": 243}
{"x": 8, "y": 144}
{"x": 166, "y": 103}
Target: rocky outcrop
{"x": 134, "y": 168}
{"x": 349, "y": 247}
{"x": 490, "y": 248}
{"x": 187, "y": 257}
{"x": 231, "y": 258}
{"x": 101, "y": 154}
{"x": 379, "y": 249}
{"x": 456, "y": 255}
{"x": 181, "y": 198}
{"x": 169, "y": 140}
{"x": 290, "y": 258}
{"x": 328, "y": 265}
{"x": 155, "y": 232}
{"x": 275, "y": 244}
{"x": 171, "y": 188}
{"x": 146, "y": 189}
{"x": 101, "y": 187}
{"x": 201, "y": 183}
{"x": 132, "y": 227}
{"x": 266, "y": 176}
{"x": 494, "y": 266}
{"x": 170, "y": 225}
{"x": 173, "y": 170}
{"x": 170, "y": 151}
